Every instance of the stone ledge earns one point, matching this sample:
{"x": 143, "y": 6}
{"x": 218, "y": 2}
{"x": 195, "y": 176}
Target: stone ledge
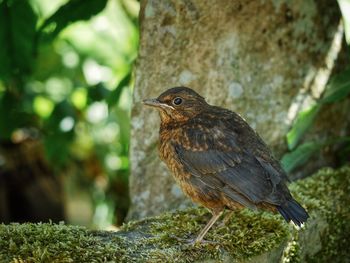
{"x": 248, "y": 237}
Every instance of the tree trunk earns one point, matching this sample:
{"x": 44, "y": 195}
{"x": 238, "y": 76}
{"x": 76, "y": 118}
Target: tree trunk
{"x": 30, "y": 191}
{"x": 263, "y": 59}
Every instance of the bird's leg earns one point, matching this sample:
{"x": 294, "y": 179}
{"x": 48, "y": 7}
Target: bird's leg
{"x": 216, "y": 215}
{"x": 226, "y": 218}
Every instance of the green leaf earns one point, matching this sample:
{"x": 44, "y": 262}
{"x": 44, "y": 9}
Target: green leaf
{"x": 57, "y": 147}
{"x": 5, "y": 68}
{"x": 302, "y": 123}
{"x": 98, "y": 92}
{"x": 115, "y": 94}
{"x": 12, "y": 115}
{"x": 61, "y": 110}
{"x": 72, "y": 11}
{"x": 57, "y": 141}
{"x": 338, "y": 88}
{"x": 305, "y": 151}
{"x": 17, "y": 37}
{"x": 300, "y": 155}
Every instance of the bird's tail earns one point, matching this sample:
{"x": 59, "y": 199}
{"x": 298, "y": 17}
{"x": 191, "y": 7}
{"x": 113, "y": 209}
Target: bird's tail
{"x": 293, "y": 211}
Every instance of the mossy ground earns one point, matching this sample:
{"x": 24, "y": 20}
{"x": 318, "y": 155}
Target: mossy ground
{"x": 246, "y": 235}
{"x": 156, "y": 239}
{"x": 327, "y": 194}
{"x": 52, "y": 243}
{"x": 326, "y": 197}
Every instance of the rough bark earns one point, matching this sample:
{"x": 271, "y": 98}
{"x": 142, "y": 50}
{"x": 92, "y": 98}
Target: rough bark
{"x": 263, "y": 59}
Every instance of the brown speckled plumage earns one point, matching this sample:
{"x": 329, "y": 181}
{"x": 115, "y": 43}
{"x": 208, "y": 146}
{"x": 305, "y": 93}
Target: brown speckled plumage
{"x": 218, "y": 160}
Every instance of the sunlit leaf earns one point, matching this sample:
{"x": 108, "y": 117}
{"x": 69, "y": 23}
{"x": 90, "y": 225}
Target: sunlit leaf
{"x": 43, "y": 106}
{"x": 72, "y": 11}
{"x": 17, "y": 36}
{"x": 338, "y": 88}
{"x": 79, "y": 98}
{"x": 301, "y": 124}
{"x": 345, "y": 9}
{"x": 300, "y": 155}
{"x": 97, "y": 112}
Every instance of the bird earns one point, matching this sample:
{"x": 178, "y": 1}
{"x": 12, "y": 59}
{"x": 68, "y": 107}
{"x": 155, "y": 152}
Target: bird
{"x": 218, "y": 160}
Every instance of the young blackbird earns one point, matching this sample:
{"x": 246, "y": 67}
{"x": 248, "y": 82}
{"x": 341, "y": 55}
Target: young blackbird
{"x": 218, "y": 160}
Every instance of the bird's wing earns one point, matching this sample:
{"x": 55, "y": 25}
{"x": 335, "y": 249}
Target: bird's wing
{"x": 219, "y": 161}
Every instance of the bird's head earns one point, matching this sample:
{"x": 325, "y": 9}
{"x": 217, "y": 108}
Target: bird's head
{"x": 177, "y": 104}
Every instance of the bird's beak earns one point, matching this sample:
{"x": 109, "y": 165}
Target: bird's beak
{"x": 156, "y": 103}
{"x": 151, "y": 102}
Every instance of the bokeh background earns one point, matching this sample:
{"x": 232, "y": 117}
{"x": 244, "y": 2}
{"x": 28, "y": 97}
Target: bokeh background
{"x": 65, "y": 99}
{"x": 66, "y": 84}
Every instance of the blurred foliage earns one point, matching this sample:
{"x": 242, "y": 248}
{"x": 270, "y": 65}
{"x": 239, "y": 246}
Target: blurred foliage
{"x": 65, "y": 79}
{"x": 338, "y": 88}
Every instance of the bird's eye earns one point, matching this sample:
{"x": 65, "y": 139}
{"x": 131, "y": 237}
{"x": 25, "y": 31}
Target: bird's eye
{"x": 177, "y": 101}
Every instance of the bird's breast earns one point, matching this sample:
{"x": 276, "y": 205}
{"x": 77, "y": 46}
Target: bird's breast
{"x": 167, "y": 152}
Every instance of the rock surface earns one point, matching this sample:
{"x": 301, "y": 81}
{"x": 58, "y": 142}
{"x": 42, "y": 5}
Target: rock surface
{"x": 248, "y": 236}
{"x": 263, "y": 59}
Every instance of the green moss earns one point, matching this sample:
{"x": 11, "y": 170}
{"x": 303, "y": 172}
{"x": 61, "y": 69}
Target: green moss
{"x": 52, "y": 243}
{"x": 246, "y": 235}
{"x": 158, "y": 239}
{"x": 292, "y": 251}
{"x": 154, "y": 239}
{"x": 326, "y": 196}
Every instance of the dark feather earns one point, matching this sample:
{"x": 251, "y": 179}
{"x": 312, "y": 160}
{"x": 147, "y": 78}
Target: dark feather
{"x": 293, "y": 211}
{"x": 234, "y": 195}
{"x": 246, "y": 177}
{"x": 224, "y": 155}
